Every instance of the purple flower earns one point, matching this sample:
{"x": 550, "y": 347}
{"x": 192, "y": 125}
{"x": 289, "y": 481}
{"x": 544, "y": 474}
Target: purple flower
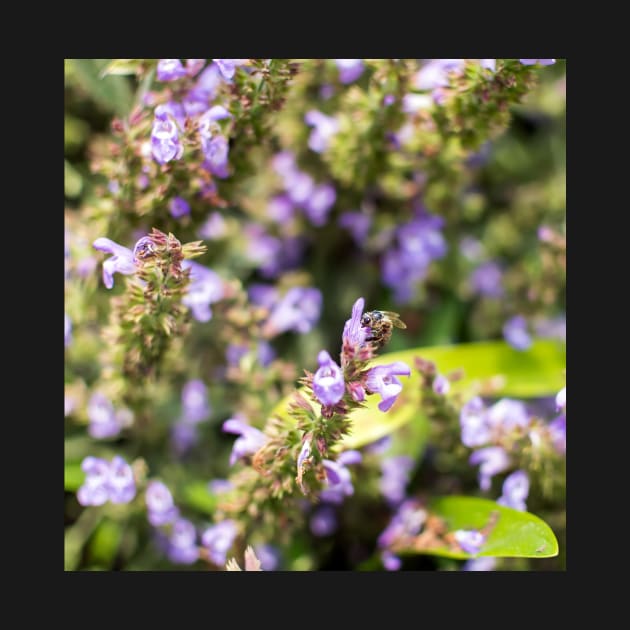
{"x": 485, "y": 563}
{"x": 489, "y": 64}
{"x": 195, "y": 402}
{"x": 234, "y": 353}
{"x": 206, "y": 287}
{"x": 280, "y": 208}
{"x": 470, "y": 540}
{"x": 297, "y": 310}
{"x": 207, "y": 83}
{"x": 486, "y": 280}
{"x": 183, "y": 437}
{"x": 441, "y": 385}
{"x": 182, "y": 543}
{"x": 250, "y": 441}
{"x": 227, "y": 67}
{"x": 179, "y": 207}
{"x": 67, "y": 330}
{"x": 215, "y": 150}
{"x": 339, "y": 482}
{"x": 106, "y": 481}
{"x": 492, "y": 460}
{"x": 320, "y": 203}
{"x": 193, "y": 66}
{"x": 435, "y": 74}
{"x": 353, "y": 333}
{"x": 299, "y": 186}
{"x": 357, "y": 391}
{"x": 161, "y": 508}
{"x": 357, "y": 223}
{"x": 515, "y": 491}
{"x": 515, "y": 333}
{"x": 218, "y": 539}
{"x": 122, "y": 486}
{"x": 407, "y": 521}
{"x": 383, "y": 380}
{"x": 261, "y": 248}
{"x": 349, "y": 69}
{"x": 104, "y": 422}
{"x": 328, "y": 383}
{"x": 475, "y": 428}
{"x": 305, "y": 452}
{"x": 323, "y": 521}
{"x": 269, "y": 557}
{"x": 266, "y": 353}
{"x": 165, "y": 144}
{"x": 542, "y": 62}
{"x": 121, "y": 260}
{"x": 395, "y": 472}
{"x": 390, "y": 561}
{"x": 324, "y": 128}
{"x": 507, "y": 414}
{"x": 558, "y": 433}
{"x": 170, "y": 70}
{"x": 214, "y": 228}
{"x": 389, "y": 99}
{"x": 265, "y": 295}
{"x": 220, "y": 486}
{"x": 561, "y": 399}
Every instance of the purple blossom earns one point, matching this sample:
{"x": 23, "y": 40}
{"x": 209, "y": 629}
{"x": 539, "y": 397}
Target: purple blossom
{"x": 266, "y": 353}
{"x": 161, "y": 508}
{"x": 515, "y": 491}
{"x": 234, "y": 353}
{"x": 218, "y": 539}
{"x": 339, "y": 482}
{"x": 284, "y": 163}
{"x": 297, "y": 310}
{"x": 323, "y": 521}
{"x": 492, "y": 460}
{"x": 383, "y": 380}
{"x": 104, "y": 422}
{"x": 170, "y": 70}
{"x": 250, "y": 440}
{"x": 183, "y": 437}
{"x": 515, "y": 333}
{"x": 349, "y": 69}
{"x": 357, "y": 223}
{"x": 353, "y": 333}
{"x": 227, "y": 67}
{"x": 395, "y": 472}
{"x": 475, "y": 428}
{"x": 561, "y": 399}
{"x": 390, "y": 561}
{"x": 106, "y": 481}
{"x": 411, "y": 103}
{"x": 165, "y": 144}
{"x": 205, "y": 288}
{"x": 320, "y": 203}
{"x": 389, "y": 99}
{"x": 507, "y": 414}
{"x": 305, "y": 452}
{"x": 120, "y": 262}
{"x": 207, "y": 83}
{"x": 542, "y": 62}
{"x": 262, "y": 249}
{"x": 379, "y": 446}
{"x": 182, "y": 542}
{"x": 489, "y": 64}
{"x": 179, "y": 207}
{"x": 265, "y": 295}
{"x": 486, "y": 280}
{"x": 324, "y": 128}
{"x": 220, "y": 486}
{"x": 558, "y": 433}
{"x": 485, "y": 563}
{"x": 195, "y": 402}
{"x": 67, "y": 330}
{"x": 407, "y": 521}
{"x": 470, "y": 540}
{"x": 214, "y": 228}
{"x": 173, "y": 109}
{"x": 435, "y": 74}
{"x": 441, "y": 385}
{"x": 269, "y": 557}
{"x": 193, "y": 66}
{"x": 280, "y": 208}
{"x": 216, "y": 150}
{"x": 299, "y": 186}
{"x": 357, "y": 391}
{"x": 328, "y": 383}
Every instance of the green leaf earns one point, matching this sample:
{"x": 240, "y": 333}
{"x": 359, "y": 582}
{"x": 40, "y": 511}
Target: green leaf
{"x": 197, "y": 496}
{"x": 538, "y": 371}
{"x": 73, "y": 182}
{"x": 113, "y": 93}
{"x": 73, "y": 476}
{"x": 105, "y": 542}
{"x": 121, "y": 66}
{"x": 514, "y": 535}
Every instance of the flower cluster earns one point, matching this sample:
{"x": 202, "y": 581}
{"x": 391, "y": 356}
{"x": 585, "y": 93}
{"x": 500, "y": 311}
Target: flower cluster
{"x": 106, "y": 481}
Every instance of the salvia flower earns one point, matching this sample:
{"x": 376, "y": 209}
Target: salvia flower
{"x": 353, "y": 333}
{"x": 227, "y": 67}
{"x": 515, "y": 333}
{"x": 215, "y": 150}
{"x": 395, "y": 472}
{"x": 485, "y": 563}
{"x": 182, "y": 543}
{"x": 533, "y": 62}
{"x": 435, "y": 74}
{"x": 170, "y": 70}
{"x": 250, "y": 440}
{"x": 268, "y": 555}
{"x": 470, "y": 540}
{"x": 161, "y": 508}
{"x": 206, "y": 287}
{"x": 67, "y": 330}
{"x": 323, "y": 521}
{"x": 183, "y": 437}
{"x": 349, "y": 69}
{"x": 324, "y": 128}
{"x": 486, "y": 280}
{"x": 558, "y": 433}
{"x": 179, "y": 207}
{"x": 195, "y": 402}
{"x": 507, "y": 414}
{"x": 407, "y": 521}
{"x": 218, "y": 539}
{"x": 165, "y": 144}
{"x": 328, "y": 383}
{"x": 320, "y": 203}
{"x": 357, "y": 223}
{"x": 383, "y": 380}
{"x": 297, "y": 310}
{"x": 106, "y": 481}
{"x": 492, "y": 460}
{"x": 121, "y": 261}
{"x": 474, "y": 425}
{"x": 441, "y": 385}
{"x": 390, "y": 561}
{"x": 561, "y": 399}
{"x": 104, "y": 422}
{"x": 515, "y": 491}
{"x": 339, "y": 482}
{"x": 193, "y": 66}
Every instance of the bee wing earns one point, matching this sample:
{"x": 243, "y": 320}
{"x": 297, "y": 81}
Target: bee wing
{"x": 395, "y": 319}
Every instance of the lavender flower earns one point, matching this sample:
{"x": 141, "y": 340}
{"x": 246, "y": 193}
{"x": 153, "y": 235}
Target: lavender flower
{"x": 323, "y": 521}
{"x": 492, "y": 460}
{"x": 395, "y": 472}
{"x": 320, "y": 203}
{"x": 441, "y": 385}
{"x": 214, "y": 228}
{"x": 515, "y": 333}
{"x": 515, "y": 491}
{"x": 106, "y": 481}
{"x": 533, "y": 62}
{"x": 227, "y": 67}
{"x": 328, "y": 382}
{"x": 484, "y": 563}
{"x": 218, "y": 539}
{"x": 486, "y": 280}
{"x": 216, "y": 150}
{"x": 266, "y": 353}
{"x": 250, "y": 441}
{"x": 475, "y": 428}
{"x": 349, "y": 69}
{"x": 390, "y": 561}
{"x": 104, "y": 422}
{"x": 470, "y": 540}
{"x": 297, "y": 310}
{"x": 261, "y": 248}
{"x": 269, "y": 557}
{"x": 561, "y": 399}
{"x": 265, "y": 295}
{"x": 161, "y": 508}
{"x": 170, "y": 70}
{"x": 304, "y": 454}
{"x": 234, "y": 353}
{"x": 357, "y": 223}
{"x": 280, "y": 208}
{"x": 120, "y": 262}
{"x": 299, "y": 186}
{"x": 183, "y": 437}
{"x": 67, "y": 330}
{"x": 195, "y": 402}
{"x": 165, "y": 144}
{"x": 206, "y": 287}
{"x": 435, "y": 74}
{"x": 182, "y": 543}
{"x": 179, "y": 207}
{"x": 489, "y": 64}
{"x": 383, "y": 380}
{"x": 353, "y": 333}
{"x": 558, "y": 433}
{"x": 193, "y": 66}
{"x": 324, "y": 128}
{"x": 339, "y": 482}
{"x": 407, "y": 521}
{"x": 507, "y": 414}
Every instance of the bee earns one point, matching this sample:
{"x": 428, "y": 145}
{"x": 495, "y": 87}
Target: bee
{"x": 381, "y": 324}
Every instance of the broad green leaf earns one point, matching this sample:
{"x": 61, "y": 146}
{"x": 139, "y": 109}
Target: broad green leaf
{"x": 538, "y": 371}
{"x": 73, "y": 476}
{"x": 197, "y": 496}
{"x": 121, "y": 66}
{"x": 113, "y": 93}
{"x": 514, "y": 535}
